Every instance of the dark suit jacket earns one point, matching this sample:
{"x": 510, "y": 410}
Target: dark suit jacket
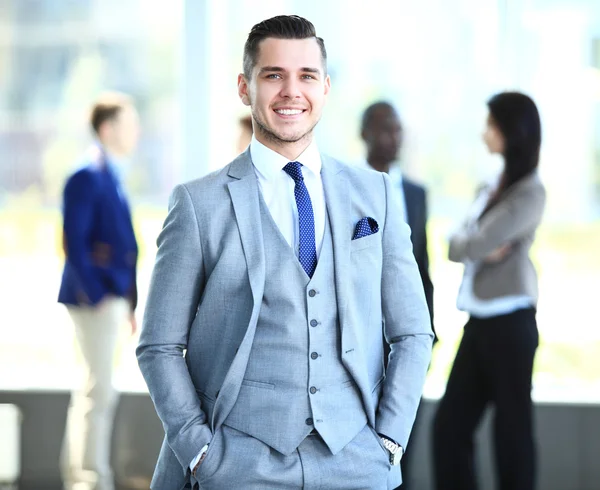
{"x": 416, "y": 209}
{"x": 98, "y": 238}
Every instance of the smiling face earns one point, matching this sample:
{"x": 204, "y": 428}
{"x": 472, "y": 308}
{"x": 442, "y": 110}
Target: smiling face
{"x": 286, "y": 92}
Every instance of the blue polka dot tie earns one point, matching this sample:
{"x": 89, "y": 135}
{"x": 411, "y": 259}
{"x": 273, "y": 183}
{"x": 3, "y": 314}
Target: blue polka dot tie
{"x": 307, "y": 252}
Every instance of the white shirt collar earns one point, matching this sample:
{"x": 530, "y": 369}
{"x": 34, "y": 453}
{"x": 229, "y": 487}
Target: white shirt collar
{"x": 119, "y": 162}
{"x": 395, "y": 173}
{"x": 99, "y": 155}
{"x": 269, "y": 163}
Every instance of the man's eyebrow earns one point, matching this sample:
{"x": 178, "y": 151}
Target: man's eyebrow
{"x": 266, "y": 69}
{"x": 270, "y": 69}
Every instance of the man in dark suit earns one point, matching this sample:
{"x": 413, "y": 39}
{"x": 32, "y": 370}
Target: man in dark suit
{"x": 382, "y": 133}
{"x": 98, "y": 286}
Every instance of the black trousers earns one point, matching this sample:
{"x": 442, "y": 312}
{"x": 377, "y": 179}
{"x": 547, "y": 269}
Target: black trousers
{"x": 493, "y": 365}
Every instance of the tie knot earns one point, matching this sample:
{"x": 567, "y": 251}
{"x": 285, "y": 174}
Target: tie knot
{"x": 294, "y": 170}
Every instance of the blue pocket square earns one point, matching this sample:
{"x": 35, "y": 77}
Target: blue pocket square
{"x": 365, "y": 227}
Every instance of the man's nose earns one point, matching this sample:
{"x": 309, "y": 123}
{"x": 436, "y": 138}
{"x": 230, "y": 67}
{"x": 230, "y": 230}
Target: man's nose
{"x": 291, "y": 88}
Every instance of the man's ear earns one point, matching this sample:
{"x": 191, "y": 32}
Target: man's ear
{"x": 243, "y": 89}
{"x": 104, "y": 131}
{"x": 364, "y": 134}
{"x": 327, "y": 84}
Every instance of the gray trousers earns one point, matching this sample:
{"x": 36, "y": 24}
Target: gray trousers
{"x": 236, "y": 460}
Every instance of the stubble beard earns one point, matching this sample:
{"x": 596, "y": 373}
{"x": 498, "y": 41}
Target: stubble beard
{"x": 276, "y": 139}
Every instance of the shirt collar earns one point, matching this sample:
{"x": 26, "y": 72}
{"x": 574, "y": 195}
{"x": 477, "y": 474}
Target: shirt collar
{"x": 118, "y": 165}
{"x": 269, "y": 163}
{"x": 395, "y": 173}
{"x": 119, "y": 162}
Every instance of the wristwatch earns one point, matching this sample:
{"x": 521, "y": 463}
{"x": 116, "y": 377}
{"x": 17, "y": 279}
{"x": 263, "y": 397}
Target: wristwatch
{"x": 396, "y": 451}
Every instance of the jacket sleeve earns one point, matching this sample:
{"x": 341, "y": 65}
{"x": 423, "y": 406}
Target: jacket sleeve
{"x": 175, "y": 289}
{"x": 506, "y": 222}
{"x": 407, "y": 327}
{"x": 78, "y": 211}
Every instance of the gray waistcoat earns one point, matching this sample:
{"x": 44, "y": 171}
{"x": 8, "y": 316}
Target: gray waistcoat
{"x": 295, "y": 380}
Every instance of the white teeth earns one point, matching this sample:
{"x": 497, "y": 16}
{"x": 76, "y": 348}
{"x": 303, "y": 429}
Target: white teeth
{"x": 288, "y": 112}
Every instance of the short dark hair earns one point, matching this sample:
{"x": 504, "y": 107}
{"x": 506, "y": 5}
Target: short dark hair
{"x": 280, "y": 27}
{"x": 107, "y": 107}
{"x": 369, "y": 114}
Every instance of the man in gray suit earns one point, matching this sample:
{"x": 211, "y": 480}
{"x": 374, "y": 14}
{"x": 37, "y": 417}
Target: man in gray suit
{"x": 262, "y": 343}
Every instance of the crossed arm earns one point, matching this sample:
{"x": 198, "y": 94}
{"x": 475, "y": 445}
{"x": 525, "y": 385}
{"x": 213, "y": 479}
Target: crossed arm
{"x": 504, "y": 224}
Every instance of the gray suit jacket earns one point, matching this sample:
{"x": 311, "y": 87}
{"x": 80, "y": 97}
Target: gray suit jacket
{"x": 513, "y": 220}
{"x": 206, "y": 291}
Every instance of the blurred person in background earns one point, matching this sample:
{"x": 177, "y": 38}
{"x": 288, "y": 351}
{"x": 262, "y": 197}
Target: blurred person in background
{"x": 382, "y": 132}
{"x": 273, "y": 275}
{"x": 494, "y": 362}
{"x": 245, "y": 135}
{"x": 98, "y": 286}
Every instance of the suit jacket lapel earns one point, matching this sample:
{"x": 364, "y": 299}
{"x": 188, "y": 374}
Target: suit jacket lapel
{"x": 245, "y": 200}
{"x": 337, "y": 199}
{"x": 244, "y": 197}
{"x": 409, "y": 204}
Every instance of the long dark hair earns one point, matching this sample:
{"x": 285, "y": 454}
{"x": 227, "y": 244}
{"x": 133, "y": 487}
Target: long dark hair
{"x": 517, "y": 118}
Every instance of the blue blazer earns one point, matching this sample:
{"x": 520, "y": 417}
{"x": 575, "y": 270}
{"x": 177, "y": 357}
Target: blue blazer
{"x": 98, "y": 238}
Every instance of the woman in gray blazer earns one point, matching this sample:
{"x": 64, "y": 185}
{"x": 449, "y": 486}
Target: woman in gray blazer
{"x": 494, "y": 361}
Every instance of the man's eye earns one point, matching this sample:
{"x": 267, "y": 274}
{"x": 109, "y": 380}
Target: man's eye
{"x": 274, "y": 75}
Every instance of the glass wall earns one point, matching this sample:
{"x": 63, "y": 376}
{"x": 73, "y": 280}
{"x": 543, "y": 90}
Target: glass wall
{"x": 56, "y": 56}
{"x": 437, "y": 61}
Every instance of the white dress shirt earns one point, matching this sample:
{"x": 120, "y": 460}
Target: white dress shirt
{"x": 395, "y": 175}
{"x": 277, "y": 189}
{"x": 119, "y": 165}
{"x": 467, "y": 301}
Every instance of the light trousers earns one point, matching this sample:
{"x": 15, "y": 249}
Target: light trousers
{"x": 85, "y": 460}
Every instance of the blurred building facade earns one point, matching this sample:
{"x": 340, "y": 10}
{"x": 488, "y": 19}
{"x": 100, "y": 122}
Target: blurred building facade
{"x": 55, "y": 57}
{"x": 437, "y": 61}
